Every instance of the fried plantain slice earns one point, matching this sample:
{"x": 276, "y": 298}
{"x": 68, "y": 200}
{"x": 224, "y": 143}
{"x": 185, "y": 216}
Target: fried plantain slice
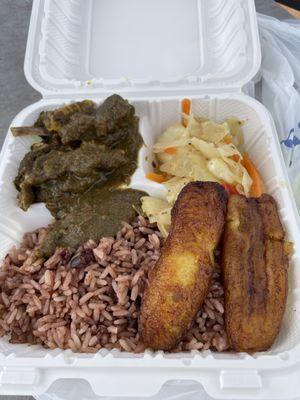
{"x": 180, "y": 280}
{"x": 254, "y": 265}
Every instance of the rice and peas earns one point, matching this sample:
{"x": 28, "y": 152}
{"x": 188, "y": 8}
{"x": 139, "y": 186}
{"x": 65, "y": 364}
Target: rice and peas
{"x": 91, "y": 299}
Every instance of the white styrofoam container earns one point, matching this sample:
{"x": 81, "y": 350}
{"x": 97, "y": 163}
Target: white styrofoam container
{"x": 153, "y": 53}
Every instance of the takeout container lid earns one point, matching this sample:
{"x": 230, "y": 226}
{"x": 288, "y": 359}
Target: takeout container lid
{"x": 140, "y": 47}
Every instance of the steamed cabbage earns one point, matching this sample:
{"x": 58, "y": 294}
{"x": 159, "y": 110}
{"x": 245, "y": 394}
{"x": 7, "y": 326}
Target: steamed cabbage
{"x": 202, "y": 150}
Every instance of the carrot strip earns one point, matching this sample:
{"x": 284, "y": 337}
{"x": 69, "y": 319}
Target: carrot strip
{"x": 186, "y": 106}
{"x": 170, "y": 150}
{"x": 186, "y": 109}
{"x": 230, "y": 189}
{"x": 257, "y": 185}
{"x": 236, "y": 157}
{"x": 158, "y": 178}
{"x": 228, "y": 139}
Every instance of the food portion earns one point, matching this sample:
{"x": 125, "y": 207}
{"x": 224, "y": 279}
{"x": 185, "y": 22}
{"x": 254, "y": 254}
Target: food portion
{"x": 90, "y": 299}
{"x": 84, "y": 158}
{"x": 198, "y": 149}
{"x": 182, "y": 276}
{"x": 58, "y": 176}
{"x": 98, "y": 213}
{"x": 82, "y": 146}
{"x": 102, "y": 276}
{"x": 255, "y": 267}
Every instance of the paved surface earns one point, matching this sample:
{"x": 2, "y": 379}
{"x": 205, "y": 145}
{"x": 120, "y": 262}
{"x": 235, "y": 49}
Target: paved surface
{"x": 15, "y": 92}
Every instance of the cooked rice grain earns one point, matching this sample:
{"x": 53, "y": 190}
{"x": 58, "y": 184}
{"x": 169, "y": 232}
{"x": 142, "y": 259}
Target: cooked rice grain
{"x": 61, "y": 303}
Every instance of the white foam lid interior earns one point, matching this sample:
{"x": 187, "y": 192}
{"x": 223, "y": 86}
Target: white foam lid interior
{"x": 141, "y": 46}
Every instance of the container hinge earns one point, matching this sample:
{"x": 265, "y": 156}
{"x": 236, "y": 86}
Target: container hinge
{"x": 18, "y": 376}
{"x": 235, "y": 379}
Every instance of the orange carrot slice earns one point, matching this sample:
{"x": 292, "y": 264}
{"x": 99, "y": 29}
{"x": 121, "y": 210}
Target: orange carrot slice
{"x": 236, "y": 157}
{"x": 170, "y": 150}
{"x": 186, "y": 109}
{"x": 230, "y": 189}
{"x": 228, "y": 139}
{"x": 257, "y": 185}
{"x": 186, "y": 106}
{"x": 158, "y": 178}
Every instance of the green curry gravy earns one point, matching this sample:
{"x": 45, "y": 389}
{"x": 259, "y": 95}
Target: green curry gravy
{"x": 86, "y": 157}
{"x": 98, "y": 213}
